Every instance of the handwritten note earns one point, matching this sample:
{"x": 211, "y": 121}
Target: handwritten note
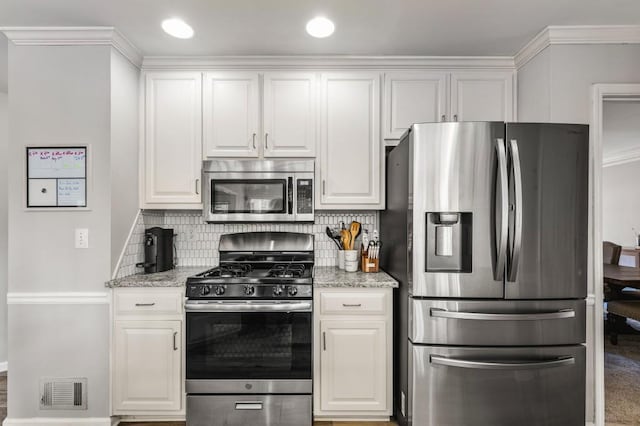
{"x": 57, "y": 162}
{"x": 71, "y": 192}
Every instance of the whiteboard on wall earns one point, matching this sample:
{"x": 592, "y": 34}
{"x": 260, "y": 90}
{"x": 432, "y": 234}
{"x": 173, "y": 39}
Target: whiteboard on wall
{"x": 57, "y": 176}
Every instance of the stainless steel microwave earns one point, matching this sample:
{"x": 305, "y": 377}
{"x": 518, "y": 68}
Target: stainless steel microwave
{"x": 243, "y": 191}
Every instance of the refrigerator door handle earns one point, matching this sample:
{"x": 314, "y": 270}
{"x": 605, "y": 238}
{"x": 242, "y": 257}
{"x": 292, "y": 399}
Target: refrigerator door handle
{"x": 501, "y": 211}
{"x": 563, "y": 314}
{"x": 516, "y": 206}
{"x": 509, "y": 365}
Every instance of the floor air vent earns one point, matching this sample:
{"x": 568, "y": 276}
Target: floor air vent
{"x": 63, "y": 393}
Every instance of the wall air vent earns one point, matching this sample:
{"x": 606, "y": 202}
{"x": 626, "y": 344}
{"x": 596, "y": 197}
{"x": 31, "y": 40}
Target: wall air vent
{"x": 63, "y": 393}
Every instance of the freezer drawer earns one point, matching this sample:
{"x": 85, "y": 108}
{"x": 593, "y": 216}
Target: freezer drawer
{"x": 244, "y": 410}
{"x": 530, "y": 386}
{"x": 497, "y": 323}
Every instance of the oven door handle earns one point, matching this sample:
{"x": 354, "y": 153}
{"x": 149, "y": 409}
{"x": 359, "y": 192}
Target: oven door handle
{"x": 248, "y": 307}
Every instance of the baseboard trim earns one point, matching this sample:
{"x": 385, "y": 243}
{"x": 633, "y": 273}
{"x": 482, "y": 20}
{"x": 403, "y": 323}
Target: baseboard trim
{"x": 58, "y": 421}
{"x": 61, "y": 298}
{"x": 4, "y": 366}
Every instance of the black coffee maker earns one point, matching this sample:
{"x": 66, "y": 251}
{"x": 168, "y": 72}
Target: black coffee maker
{"x": 158, "y": 250}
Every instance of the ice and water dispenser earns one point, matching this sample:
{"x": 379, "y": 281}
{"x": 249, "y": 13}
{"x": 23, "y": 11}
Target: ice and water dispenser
{"x": 449, "y": 241}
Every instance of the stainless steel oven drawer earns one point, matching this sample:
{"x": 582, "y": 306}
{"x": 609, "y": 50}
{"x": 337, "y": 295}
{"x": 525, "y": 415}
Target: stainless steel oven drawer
{"x": 497, "y": 323}
{"x": 245, "y": 410}
{"x": 532, "y": 386}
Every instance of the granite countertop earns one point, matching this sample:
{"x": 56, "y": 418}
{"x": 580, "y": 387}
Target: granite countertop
{"x": 331, "y": 276}
{"x": 173, "y": 278}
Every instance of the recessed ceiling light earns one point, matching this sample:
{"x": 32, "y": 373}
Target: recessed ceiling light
{"x": 177, "y": 28}
{"x": 320, "y": 27}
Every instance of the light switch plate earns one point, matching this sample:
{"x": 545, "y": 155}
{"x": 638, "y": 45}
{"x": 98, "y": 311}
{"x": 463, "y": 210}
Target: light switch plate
{"x": 82, "y": 238}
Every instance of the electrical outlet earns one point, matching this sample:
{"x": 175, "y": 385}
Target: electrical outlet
{"x": 82, "y": 238}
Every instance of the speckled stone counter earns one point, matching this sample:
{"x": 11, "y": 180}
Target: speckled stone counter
{"x": 331, "y": 276}
{"x": 173, "y": 278}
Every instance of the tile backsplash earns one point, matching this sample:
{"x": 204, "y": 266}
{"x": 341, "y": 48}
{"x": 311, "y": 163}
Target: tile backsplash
{"x": 197, "y": 242}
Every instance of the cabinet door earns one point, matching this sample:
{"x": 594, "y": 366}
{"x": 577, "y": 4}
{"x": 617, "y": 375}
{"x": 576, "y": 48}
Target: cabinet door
{"x": 413, "y": 97}
{"x": 350, "y": 172}
{"x": 147, "y": 366}
{"x": 231, "y": 108}
{"x": 482, "y": 96}
{"x": 353, "y": 365}
{"x": 173, "y": 140}
{"x": 289, "y": 114}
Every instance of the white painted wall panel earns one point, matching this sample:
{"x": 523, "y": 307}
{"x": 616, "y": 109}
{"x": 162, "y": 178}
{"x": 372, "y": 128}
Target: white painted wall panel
{"x": 534, "y": 89}
{"x": 4, "y": 143}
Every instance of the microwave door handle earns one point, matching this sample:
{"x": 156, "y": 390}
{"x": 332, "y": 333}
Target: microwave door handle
{"x": 290, "y": 195}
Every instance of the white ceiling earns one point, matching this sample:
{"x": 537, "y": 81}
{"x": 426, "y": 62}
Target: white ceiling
{"x": 363, "y": 27}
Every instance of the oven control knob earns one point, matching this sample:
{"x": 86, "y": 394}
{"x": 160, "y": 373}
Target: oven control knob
{"x": 293, "y": 291}
{"x": 219, "y": 290}
{"x": 249, "y": 290}
{"x": 206, "y": 289}
{"x": 277, "y": 290}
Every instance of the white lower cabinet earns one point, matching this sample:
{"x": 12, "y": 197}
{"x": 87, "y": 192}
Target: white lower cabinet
{"x": 147, "y": 353}
{"x": 353, "y": 371}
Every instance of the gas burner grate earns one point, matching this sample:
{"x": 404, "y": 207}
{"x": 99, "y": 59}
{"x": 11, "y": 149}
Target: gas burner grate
{"x": 287, "y": 271}
{"x": 227, "y": 271}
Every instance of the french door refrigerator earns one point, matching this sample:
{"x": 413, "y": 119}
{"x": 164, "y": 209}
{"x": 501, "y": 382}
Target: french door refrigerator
{"x": 486, "y": 230}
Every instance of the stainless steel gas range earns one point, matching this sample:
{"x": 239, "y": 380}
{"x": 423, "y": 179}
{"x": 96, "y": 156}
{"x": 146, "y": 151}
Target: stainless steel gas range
{"x": 249, "y": 333}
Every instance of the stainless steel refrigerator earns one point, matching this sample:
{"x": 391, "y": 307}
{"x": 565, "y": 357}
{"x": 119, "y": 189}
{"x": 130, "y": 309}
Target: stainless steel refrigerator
{"x": 486, "y": 230}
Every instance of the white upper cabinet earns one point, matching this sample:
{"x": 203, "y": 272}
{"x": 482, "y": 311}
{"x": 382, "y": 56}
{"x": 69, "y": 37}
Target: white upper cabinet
{"x": 231, "y": 114}
{"x": 413, "y": 97}
{"x": 172, "y": 147}
{"x": 482, "y": 96}
{"x": 289, "y": 114}
{"x": 350, "y": 172}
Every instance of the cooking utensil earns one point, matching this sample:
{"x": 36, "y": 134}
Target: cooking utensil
{"x": 354, "y": 230}
{"x": 346, "y": 239}
{"x": 334, "y": 238}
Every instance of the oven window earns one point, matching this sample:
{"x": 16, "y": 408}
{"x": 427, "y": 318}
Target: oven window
{"x": 248, "y": 196}
{"x": 249, "y": 345}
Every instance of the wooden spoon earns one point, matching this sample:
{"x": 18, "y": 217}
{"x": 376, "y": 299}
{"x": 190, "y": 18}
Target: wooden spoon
{"x": 354, "y": 230}
{"x": 346, "y": 239}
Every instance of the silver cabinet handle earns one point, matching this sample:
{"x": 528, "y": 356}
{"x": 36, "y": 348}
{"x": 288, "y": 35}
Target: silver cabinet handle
{"x": 352, "y": 305}
{"x": 324, "y": 341}
{"x": 501, "y": 211}
{"x": 509, "y": 365}
{"x": 324, "y": 187}
{"x": 248, "y": 405}
{"x": 254, "y": 141}
{"x": 443, "y": 313}
{"x": 266, "y": 140}
{"x": 198, "y": 186}
{"x": 516, "y": 238}
{"x": 175, "y": 343}
{"x": 455, "y": 117}
{"x": 443, "y": 118}
{"x": 145, "y": 304}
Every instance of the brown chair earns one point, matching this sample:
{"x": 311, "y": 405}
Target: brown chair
{"x": 611, "y": 252}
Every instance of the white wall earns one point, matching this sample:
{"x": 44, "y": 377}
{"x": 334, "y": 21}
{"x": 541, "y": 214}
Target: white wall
{"x": 621, "y": 203}
{"x": 58, "y": 95}
{"x": 124, "y": 151}
{"x": 621, "y": 129}
{"x": 620, "y": 183}
{"x": 4, "y": 141}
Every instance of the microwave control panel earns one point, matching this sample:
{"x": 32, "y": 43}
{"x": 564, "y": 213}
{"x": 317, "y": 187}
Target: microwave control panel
{"x": 304, "y": 192}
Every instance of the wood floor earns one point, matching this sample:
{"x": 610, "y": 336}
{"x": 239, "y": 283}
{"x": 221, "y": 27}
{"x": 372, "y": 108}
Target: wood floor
{"x": 314, "y": 424}
{"x": 3, "y": 396}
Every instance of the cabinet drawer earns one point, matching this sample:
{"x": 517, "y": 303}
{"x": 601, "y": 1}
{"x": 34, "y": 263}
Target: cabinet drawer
{"x": 354, "y": 303}
{"x": 148, "y": 302}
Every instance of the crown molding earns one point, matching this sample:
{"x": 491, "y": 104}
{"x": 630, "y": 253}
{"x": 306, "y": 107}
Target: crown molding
{"x": 324, "y": 62}
{"x": 74, "y": 36}
{"x": 577, "y": 34}
{"x": 621, "y": 157}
